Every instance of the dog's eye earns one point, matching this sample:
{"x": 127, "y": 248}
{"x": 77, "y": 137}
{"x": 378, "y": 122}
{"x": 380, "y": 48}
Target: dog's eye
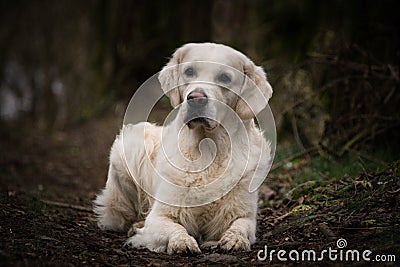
{"x": 224, "y": 78}
{"x": 189, "y": 72}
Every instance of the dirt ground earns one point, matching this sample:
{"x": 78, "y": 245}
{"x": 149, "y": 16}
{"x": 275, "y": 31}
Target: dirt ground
{"x": 48, "y": 183}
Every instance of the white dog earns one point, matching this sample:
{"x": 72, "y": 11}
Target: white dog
{"x": 206, "y": 157}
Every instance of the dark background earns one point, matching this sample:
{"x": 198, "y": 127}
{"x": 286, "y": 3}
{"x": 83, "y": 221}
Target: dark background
{"x": 334, "y": 65}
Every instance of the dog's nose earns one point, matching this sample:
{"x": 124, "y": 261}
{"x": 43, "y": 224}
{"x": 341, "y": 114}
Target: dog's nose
{"x": 197, "y": 97}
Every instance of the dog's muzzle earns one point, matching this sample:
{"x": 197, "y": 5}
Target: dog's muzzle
{"x": 197, "y": 103}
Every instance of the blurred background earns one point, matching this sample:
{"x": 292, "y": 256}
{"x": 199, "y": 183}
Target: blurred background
{"x": 334, "y": 65}
{"x": 68, "y": 69}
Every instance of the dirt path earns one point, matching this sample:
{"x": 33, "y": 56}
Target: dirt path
{"x": 47, "y": 185}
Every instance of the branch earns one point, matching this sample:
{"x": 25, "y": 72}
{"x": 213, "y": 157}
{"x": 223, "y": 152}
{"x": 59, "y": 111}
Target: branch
{"x": 297, "y": 155}
{"x": 66, "y": 205}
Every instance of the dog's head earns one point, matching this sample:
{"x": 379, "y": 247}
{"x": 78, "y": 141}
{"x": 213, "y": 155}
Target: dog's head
{"x": 204, "y": 76}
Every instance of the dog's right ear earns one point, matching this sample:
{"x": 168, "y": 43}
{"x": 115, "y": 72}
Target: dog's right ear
{"x": 169, "y": 77}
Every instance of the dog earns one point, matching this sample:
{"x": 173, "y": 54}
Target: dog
{"x": 183, "y": 187}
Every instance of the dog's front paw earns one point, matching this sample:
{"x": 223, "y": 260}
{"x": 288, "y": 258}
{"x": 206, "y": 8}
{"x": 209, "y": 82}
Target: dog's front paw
{"x": 234, "y": 241}
{"x": 140, "y": 240}
{"x": 182, "y": 243}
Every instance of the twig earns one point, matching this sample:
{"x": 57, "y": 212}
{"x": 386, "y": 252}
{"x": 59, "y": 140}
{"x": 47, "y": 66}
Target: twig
{"x": 282, "y": 217}
{"x": 296, "y": 132}
{"x": 66, "y": 205}
{"x": 395, "y": 72}
{"x": 297, "y": 155}
{"x": 394, "y": 192}
{"x": 367, "y": 157}
{"x": 365, "y": 228}
{"x": 374, "y": 69}
{"x": 356, "y": 138}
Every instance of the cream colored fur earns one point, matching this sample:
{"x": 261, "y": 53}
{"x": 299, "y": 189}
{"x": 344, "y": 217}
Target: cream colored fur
{"x": 228, "y": 222}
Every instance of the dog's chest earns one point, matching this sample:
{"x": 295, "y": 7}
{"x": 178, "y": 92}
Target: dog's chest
{"x": 210, "y": 221}
{"x": 208, "y": 175}
{"x": 203, "y": 215}
{"x": 195, "y": 173}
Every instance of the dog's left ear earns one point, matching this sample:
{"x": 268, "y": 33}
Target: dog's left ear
{"x": 255, "y": 93}
{"x": 169, "y": 77}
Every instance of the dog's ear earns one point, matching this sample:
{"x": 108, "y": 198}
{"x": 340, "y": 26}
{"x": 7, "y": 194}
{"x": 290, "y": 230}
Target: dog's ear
{"x": 255, "y": 93}
{"x": 169, "y": 77}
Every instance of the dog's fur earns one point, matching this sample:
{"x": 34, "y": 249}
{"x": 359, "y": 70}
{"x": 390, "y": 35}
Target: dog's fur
{"x": 137, "y": 159}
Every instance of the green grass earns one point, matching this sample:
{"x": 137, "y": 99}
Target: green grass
{"x": 321, "y": 179}
{"x": 320, "y": 166}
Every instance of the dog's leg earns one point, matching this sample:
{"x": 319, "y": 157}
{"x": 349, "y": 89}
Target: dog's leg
{"x": 180, "y": 241}
{"x": 161, "y": 234}
{"x": 239, "y": 236}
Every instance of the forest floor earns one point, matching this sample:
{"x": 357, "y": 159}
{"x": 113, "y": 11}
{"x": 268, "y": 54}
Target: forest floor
{"x": 48, "y": 183}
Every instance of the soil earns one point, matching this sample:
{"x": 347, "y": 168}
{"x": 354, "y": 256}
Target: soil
{"x": 48, "y": 183}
